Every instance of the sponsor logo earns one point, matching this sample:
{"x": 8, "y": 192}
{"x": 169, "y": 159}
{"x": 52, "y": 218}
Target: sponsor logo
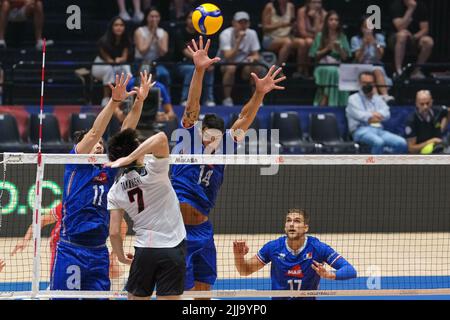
{"x": 101, "y": 178}
{"x": 295, "y": 272}
{"x": 370, "y": 160}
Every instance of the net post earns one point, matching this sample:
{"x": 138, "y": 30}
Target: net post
{"x": 37, "y": 231}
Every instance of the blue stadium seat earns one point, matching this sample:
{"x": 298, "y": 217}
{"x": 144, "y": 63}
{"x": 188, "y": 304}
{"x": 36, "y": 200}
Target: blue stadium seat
{"x": 9, "y": 136}
{"x": 51, "y": 136}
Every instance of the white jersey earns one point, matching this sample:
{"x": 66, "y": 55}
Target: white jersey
{"x": 147, "y": 196}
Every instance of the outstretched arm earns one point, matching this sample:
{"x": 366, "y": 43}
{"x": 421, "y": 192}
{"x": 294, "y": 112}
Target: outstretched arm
{"x": 344, "y": 270}
{"x": 115, "y": 235}
{"x": 201, "y": 62}
{"x": 132, "y": 119}
{"x": 119, "y": 93}
{"x": 243, "y": 266}
{"x": 263, "y": 87}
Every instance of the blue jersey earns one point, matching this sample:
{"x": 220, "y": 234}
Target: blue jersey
{"x": 293, "y": 271}
{"x": 85, "y": 218}
{"x": 199, "y": 185}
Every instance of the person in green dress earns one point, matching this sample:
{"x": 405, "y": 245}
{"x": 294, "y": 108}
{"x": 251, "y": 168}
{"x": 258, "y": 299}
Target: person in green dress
{"x": 330, "y": 47}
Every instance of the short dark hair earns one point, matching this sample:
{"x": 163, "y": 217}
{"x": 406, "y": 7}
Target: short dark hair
{"x": 79, "y": 135}
{"x": 213, "y": 121}
{"x": 122, "y": 144}
{"x": 366, "y": 73}
{"x": 301, "y": 212}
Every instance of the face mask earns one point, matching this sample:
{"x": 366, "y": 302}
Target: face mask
{"x": 367, "y": 88}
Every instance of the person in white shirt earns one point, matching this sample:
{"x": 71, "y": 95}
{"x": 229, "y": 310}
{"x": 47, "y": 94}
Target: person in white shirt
{"x": 238, "y": 44}
{"x": 145, "y": 193}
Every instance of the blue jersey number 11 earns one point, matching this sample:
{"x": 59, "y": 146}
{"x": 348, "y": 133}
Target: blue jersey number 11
{"x": 98, "y": 196}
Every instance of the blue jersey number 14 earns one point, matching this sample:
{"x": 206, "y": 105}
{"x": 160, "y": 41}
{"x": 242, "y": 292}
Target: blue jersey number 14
{"x": 204, "y": 177}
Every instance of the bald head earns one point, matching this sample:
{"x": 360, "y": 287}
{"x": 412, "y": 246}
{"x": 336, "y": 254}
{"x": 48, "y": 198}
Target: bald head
{"x": 424, "y": 101}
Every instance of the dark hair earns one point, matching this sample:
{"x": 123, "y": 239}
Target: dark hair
{"x": 147, "y": 12}
{"x": 276, "y": 5}
{"x": 108, "y": 40}
{"x": 301, "y": 212}
{"x": 326, "y": 30}
{"x": 366, "y": 73}
{"x": 79, "y": 135}
{"x": 122, "y": 144}
{"x": 213, "y": 121}
{"x": 362, "y": 21}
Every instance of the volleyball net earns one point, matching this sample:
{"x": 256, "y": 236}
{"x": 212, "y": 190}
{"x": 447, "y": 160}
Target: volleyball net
{"x": 389, "y": 216}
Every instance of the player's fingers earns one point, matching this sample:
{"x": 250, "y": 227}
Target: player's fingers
{"x": 111, "y": 86}
{"x": 254, "y": 76}
{"x": 152, "y": 84}
{"x": 279, "y": 79}
{"x": 279, "y": 88}
{"x": 149, "y": 79}
{"x": 274, "y": 75}
{"x": 216, "y": 59}
{"x": 122, "y": 76}
{"x": 194, "y": 45}
{"x": 208, "y": 43}
{"x": 136, "y": 89}
{"x": 272, "y": 68}
{"x": 131, "y": 93}
{"x": 200, "y": 43}
{"x": 127, "y": 80}
{"x": 190, "y": 49}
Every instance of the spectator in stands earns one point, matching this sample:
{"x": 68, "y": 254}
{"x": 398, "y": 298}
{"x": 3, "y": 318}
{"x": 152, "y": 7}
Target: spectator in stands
{"x": 411, "y": 21}
{"x": 330, "y": 47}
{"x": 1, "y": 85}
{"x": 114, "y": 50}
{"x": 19, "y": 11}
{"x": 185, "y": 67}
{"x": 167, "y": 113}
{"x": 277, "y": 21}
{"x": 123, "y": 13}
{"x": 152, "y": 44}
{"x": 181, "y": 8}
{"x": 425, "y": 128}
{"x": 310, "y": 20}
{"x": 238, "y": 44}
{"x": 368, "y": 48}
{"x": 366, "y": 111}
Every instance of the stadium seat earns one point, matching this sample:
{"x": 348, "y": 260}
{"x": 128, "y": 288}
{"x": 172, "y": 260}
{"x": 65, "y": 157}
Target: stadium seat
{"x": 323, "y": 129}
{"x": 291, "y": 134}
{"x": 9, "y": 136}
{"x": 51, "y": 136}
{"x": 81, "y": 121}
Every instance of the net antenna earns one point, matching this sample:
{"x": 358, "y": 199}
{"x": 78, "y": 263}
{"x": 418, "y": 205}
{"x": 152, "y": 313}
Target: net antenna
{"x": 38, "y": 195}
{"x": 1, "y": 191}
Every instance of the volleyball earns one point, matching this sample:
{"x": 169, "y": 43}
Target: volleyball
{"x": 207, "y": 19}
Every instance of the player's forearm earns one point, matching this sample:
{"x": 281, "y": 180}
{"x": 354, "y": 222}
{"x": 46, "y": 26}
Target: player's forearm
{"x": 344, "y": 270}
{"x": 103, "y": 119}
{"x": 242, "y": 266}
{"x": 132, "y": 119}
{"x": 192, "y": 110}
{"x": 117, "y": 246}
{"x": 156, "y": 145}
{"x": 249, "y": 111}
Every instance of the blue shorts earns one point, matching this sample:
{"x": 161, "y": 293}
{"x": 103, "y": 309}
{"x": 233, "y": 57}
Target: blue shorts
{"x": 80, "y": 268}
{"x": 201, "y": 257}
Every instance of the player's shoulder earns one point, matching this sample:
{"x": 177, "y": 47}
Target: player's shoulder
{"x": 277, "y": 243}
{"x": 315, "y": 242}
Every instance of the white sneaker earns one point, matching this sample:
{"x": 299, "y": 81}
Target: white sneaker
{"x": 210, "y": 103}
{"x": 2, "y": 44}
{"x": 387, "y": 98}
{"x": 125, "y": 16}
{"x": 40, "y": 44}
{"x": 183, "y": 103}
{"x": 228, "y": 102}
{"x": 138, "y": 17}
{"x": 418, "y": 75}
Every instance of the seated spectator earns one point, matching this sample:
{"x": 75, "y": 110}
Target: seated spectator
{"x": 182, "y": 7}
{"x": 19, "y": 11}
{"x": 123, "y": 13}
{"x": 411, "y": 20}
{"x": 277, "y": 22}
{"x": 310, "y": 19}
{"x": 365, "y": 113}
{"x": 167, "y": 113}
{"x": 238, "y": 44}
{"x": 185, "y": 67}
{"x": 330, "y": 47}
{"x": 114, "y": 50}
{"x": 152, "y": 44}
{"x": 368, "y": 48}
{"x": 425, "y": 128}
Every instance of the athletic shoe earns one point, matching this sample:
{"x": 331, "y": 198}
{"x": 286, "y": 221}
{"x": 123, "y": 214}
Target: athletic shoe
{"x": 125, "y": 16}
{"x": 138, "y": 17}
{"x": 228, "y": 102}
{"x": 210, "y": 103}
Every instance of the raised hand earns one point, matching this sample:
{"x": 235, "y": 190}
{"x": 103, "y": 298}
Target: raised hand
{"x": 146, "y": 85}
{"x": 322, "y": 272}
{"x": 200, "y": 54}
{"x": 240, "y": 248}
{"x": 119, "y": 90}
{"x": 269, "y": 82}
